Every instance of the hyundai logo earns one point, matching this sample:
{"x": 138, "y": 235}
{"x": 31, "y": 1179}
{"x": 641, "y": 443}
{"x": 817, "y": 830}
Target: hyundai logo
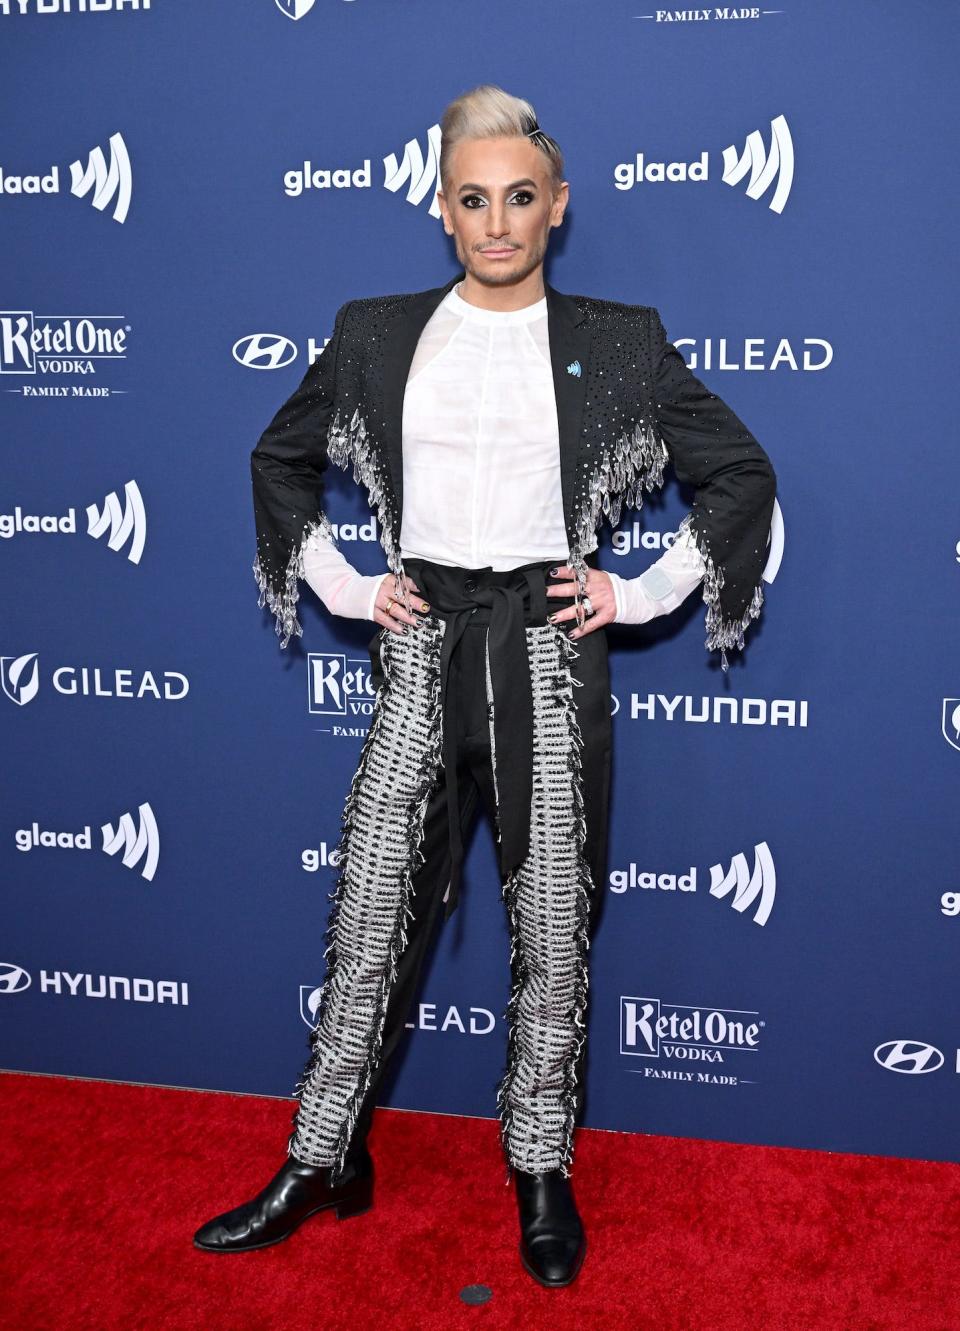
{"x": 264, "y": 351}
{"x": 909, "y": 1056}
{"x": 13, "y": 979}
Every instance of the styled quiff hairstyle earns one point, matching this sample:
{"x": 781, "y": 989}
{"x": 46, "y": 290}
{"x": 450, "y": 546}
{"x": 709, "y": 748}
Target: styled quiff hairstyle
{"x": 487, "y": 112}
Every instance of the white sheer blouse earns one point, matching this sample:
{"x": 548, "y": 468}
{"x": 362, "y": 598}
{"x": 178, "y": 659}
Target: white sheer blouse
{"x": 481, "y": 466}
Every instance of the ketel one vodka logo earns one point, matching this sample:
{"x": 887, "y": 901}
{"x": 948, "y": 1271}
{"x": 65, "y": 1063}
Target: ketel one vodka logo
{"x": 137, "y": 843}
{"x": 340, "y": 685}
{"x": 108, "y": 183}
{"x": 37, "y": 344}
{"x": 653, "y": 1028}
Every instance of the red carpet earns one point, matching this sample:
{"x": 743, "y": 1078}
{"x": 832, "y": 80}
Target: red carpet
{"x": 104, "y": 1184}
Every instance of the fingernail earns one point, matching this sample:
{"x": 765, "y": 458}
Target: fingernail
{"x": 552, "y": 618}
{"x": 554, "y": 572}
{"x": 424, "y": 606}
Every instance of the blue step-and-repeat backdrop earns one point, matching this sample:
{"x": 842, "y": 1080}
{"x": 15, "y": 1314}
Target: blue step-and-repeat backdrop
{"x": 187, "y": 194}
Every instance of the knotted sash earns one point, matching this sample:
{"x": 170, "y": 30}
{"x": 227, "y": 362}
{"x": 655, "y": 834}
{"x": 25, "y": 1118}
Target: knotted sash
{"x": 507, "y": 601}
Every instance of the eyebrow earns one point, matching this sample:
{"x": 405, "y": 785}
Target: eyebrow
{"x": 513, "y": 184}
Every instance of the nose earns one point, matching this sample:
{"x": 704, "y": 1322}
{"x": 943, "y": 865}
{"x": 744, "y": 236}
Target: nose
{"x": 497, "y": 221}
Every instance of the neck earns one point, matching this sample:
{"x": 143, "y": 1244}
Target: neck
{"x": 514, "y": 296}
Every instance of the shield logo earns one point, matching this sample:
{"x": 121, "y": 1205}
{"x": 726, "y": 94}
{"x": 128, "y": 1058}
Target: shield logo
{"x": 295, "y": 8}
{"x": 20, "y": 677}
{"x": 309, "y": 998}
{"x": 950, "y": 722}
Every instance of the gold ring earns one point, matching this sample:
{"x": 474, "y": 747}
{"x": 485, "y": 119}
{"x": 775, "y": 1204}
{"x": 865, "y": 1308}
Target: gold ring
{"x": 388, "y": 605}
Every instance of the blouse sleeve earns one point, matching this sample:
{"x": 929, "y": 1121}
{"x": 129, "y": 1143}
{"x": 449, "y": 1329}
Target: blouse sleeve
{"x": 286, "y": 467}
{"x": 735, "y": 488}
{"x": 663, "y": 586}
{"x": 341, "y": 588}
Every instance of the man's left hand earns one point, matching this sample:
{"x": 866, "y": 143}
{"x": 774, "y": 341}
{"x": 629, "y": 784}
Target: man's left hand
{"x": 598, "y": 587}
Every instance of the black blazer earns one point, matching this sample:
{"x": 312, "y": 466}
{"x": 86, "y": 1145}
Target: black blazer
{"x": 626, "y": 405}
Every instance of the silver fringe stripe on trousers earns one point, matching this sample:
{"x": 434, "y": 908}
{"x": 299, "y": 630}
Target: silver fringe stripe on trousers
{"x": 484, "y": 701}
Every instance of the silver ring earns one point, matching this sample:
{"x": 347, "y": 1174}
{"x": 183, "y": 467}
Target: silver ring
{"x": 588, "y": 605}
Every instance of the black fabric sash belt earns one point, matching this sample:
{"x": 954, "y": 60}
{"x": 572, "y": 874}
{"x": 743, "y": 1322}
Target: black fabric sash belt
{"x": 508, "y": 601}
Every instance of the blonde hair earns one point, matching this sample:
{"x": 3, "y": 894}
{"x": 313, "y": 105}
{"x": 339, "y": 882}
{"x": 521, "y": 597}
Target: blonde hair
{"x": 487, "y": 112}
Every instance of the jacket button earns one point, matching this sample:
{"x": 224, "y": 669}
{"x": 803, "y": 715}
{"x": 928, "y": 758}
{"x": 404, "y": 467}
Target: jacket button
{"x": 470, "y": 585}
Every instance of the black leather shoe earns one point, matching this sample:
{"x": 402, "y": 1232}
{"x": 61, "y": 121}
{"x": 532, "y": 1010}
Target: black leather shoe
{"x": 552, "y": 1242}
{"x": 295, "y": 1192}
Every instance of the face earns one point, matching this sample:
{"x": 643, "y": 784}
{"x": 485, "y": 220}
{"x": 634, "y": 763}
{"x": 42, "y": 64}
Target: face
{"x": 499, "y": 208}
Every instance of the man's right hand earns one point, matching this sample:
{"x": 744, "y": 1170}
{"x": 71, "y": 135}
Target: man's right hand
{"x": 397, "y": 617}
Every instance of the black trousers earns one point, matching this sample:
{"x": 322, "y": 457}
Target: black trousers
{"x": 476, "y": 792}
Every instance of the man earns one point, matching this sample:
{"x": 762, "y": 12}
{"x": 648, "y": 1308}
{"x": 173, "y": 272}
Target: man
{"x": 493, "y": 422}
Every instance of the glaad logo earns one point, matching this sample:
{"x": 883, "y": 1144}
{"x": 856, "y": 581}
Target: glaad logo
{"x": 32, "y": 344}
{"x": 264, "y": 351}
{"x": 323, "y": 857}
{"x": 420, "y": 174}
{"x": 13, "y": 978}
{"x": 908, "y": 1056}
{"x": 19, "y": 678}
{"x": 135, "y": 841}
{"x": 109, "y": 184}
{"x": 138, "y": 841}
{"x": 130, "y": 522}
{"x": 295, "y": 9}
{"x": 950, "y": 722}
{"x": 624, "y": 540}
{"x": 423, "y": 176}
{"x": 764, "y": 167}
{"x": 113, "y": 183}
{"x": 652, "y": 1028}
{"x": 339, "y": 685}
{"x": 747, "y": 887}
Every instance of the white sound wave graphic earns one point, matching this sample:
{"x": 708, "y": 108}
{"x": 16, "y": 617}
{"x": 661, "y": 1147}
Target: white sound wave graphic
{"x": 117, "y": 179}
{"x": 763, "y": 167}
{"x": 134, "y": 840}
{"x": 762, "y": 883}
{"x": 121, "y": 522}
{"x": 423, "y": 176}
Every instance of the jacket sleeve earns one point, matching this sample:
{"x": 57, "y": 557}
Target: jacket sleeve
{"x": 735, "y": 488}
{"x": 286, "y": 467}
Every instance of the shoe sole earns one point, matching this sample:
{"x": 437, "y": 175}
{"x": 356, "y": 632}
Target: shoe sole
{"x": 343, "y": 1213}
{"x": 556, "y": 1284}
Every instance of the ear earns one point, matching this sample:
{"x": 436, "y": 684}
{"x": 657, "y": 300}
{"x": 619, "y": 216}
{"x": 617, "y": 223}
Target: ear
{"x": 444, "y": 213}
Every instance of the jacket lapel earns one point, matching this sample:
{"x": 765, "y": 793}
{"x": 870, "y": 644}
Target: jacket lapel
{"x": 569, "y": 336}
{"x": 569, "y": 332}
